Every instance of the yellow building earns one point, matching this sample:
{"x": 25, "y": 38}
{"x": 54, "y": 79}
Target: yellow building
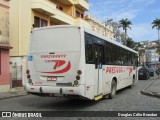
{"x": 26, "y": 14}
{"x": 100, "y": 27}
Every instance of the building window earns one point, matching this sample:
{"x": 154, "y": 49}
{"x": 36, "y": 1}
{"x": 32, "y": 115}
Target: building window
{"x": 78, "y": 14}
{"x": 43, "y": 23}
{"x": 82, "y": 15}
{"x": 39, "y": 22}
{"x": 36, "y": 22}
{"x": 89, "y": 48}
{"x": 59, "y": 7}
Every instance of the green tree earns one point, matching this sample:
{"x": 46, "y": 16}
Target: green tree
{"x": 130, "y": 43}
{"x": 125, "y": 23}
{"x": 158, "y": 50}
{"x": 156, "y": 24}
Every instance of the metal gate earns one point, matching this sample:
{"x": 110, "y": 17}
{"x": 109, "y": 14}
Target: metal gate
{"x": 16, "y": 76}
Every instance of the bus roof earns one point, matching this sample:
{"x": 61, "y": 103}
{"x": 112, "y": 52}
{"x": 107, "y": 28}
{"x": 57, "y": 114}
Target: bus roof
{"x": 88, "y": 31}
{"x": 55, "y": 26}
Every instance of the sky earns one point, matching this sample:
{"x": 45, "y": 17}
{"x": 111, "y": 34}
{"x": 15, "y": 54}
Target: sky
{"x": 140, "y": 12}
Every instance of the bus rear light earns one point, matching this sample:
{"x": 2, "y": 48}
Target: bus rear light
{"x": 28, "y": 76}
{"x": 30, "y": 80}
{"x": 27, "y": 72}
{"x": 70, "y": 90}
{"x": 79, "y": 72}
{"x": 32, "y": 88}
{"x": 76, "y": 82}
{"x": 78, "y": 77}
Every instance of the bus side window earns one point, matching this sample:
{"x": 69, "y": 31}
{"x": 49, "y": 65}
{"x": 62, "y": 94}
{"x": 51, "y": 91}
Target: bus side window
{"x": 89, "y": 48}
{"x": 106, "y": 53}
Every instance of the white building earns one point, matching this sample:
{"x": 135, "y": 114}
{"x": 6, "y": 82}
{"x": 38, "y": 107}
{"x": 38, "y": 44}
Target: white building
{"x": 152, "y": 58}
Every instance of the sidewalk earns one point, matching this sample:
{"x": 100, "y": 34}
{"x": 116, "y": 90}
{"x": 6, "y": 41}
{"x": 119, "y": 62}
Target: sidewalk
{"x": 153, "y": 89}
{"x": 13, "y": 93}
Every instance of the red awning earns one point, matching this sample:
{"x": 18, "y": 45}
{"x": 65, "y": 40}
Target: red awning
{"x": 5, "y": 46}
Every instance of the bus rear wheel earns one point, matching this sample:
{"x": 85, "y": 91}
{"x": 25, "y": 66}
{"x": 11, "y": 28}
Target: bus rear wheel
{"x": 113, "y": 89}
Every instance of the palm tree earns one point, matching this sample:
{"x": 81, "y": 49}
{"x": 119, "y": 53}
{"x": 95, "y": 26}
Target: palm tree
{"x": 125, "y": 23}
{"x": 156, "y": 24}
{"x": 130, "y": 43}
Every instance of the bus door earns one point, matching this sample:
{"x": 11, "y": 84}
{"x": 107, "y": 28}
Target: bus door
{"x": 98, "y": 69}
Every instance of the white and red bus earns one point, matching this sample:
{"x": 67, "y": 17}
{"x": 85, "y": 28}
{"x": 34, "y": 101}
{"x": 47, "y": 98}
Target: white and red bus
{"x": 73, "y": 61}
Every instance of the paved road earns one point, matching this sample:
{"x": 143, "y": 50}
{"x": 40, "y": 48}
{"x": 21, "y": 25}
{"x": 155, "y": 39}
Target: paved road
{"x": 128, "y": 99}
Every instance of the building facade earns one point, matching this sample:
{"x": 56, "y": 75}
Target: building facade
{"x": 24, "y": 14}
{"x": 5, "y": 83}
{"x": 152, "y": 58}
{"x": 100, "y": 27}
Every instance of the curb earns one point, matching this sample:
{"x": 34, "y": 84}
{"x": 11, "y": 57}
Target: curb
{"x": 13, "y": 95}
{"x": 154, "y": 94}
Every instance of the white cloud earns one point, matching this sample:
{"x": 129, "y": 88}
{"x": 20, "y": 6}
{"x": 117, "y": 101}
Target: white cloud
{"x": 130, "y": 14}
{"x": 143, "y": 31}
{"x": 118, "y": 9}
{"x": 149, "y": 2}
{"x": 134, "y": 10}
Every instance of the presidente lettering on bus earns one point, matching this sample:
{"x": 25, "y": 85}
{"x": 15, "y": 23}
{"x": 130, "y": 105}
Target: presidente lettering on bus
{"x": 112, "y": 70}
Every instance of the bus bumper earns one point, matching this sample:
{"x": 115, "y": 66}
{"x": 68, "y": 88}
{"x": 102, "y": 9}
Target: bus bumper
{"x": 79, "y": 90}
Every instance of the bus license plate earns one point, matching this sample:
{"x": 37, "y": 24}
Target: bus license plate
{"x": 51, "y": 78}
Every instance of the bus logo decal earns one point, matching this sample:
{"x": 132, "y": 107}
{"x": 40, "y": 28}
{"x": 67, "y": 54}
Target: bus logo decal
{"x": 59, "y": 63}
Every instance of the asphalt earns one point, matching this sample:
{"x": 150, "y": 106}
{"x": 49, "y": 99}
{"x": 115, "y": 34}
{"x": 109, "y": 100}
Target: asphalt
{"x": 13, "y": 93}
{"x": 152, "y": 89}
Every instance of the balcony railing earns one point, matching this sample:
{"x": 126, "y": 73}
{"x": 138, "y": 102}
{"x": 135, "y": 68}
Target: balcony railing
{"x": 83, "y": 4}
{"x": 60, "y": 15}
{"x": 80, "y": 21}
{"x": 44, "y": 6}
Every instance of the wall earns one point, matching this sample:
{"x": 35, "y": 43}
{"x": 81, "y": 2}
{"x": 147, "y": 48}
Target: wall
{"x": 20, "y": 26}
{"x": 4, "y": 40}
{"x": 4, "y": 20}
{"x": 4, "y": 75}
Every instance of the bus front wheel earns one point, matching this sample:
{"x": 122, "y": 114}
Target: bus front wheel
{"x": 113, "y": 89}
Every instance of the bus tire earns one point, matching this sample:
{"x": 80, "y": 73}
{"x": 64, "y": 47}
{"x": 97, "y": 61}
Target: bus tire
{"x": 113, "y": 89}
